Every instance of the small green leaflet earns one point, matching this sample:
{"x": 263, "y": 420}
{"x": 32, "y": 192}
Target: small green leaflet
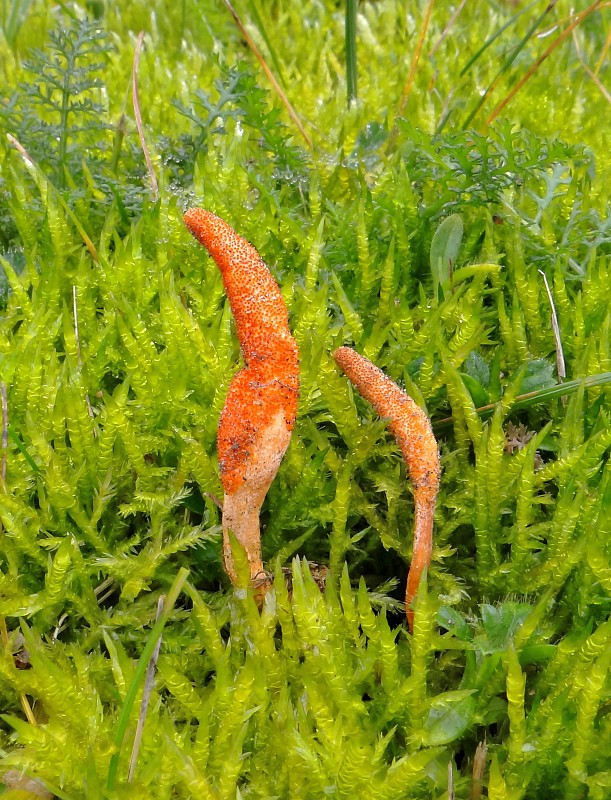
{"x": 444, "y": 252}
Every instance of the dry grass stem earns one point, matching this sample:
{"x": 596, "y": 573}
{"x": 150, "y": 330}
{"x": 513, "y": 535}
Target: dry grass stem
{"x": 413, "y": 68}
{"x": 59, "y": 627}
{"x": 525, "y": 78}
{"x": 560, "y": 365}
{"x": 138, "y": 116}
{"x": 479, "y": 767}
{"x": 603, "y": 55}
{"x": 146, "y": 696}
{"x": 33, "y": 167}
{"x": 270, "y": 75}
{"x": 78, "y": 352}
{"x": 447, "y": 28}
{"x": 599, "y": 84}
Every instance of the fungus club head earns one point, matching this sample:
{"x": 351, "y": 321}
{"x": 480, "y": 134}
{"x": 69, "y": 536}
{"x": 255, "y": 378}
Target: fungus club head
{"x": 254, "y": 296}
{"x": 412, "y": 429}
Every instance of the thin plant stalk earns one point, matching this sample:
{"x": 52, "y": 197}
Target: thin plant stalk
{"x": 22, "y": 449}
{"x": 413, "y": 68}
{"x": 78, "y": 351}
{"x": 447, "y": 29}
{"x": 120, "y": 131}
{"x": 525, "y": 78}
{"x": 508, "y": 62}
{"x": 63, "y": 138}
{"x": 603, "y": 53}
{"x": 270, "y": 75}
{"x": 47, "y": 183}
{"x": 560, "y": 365}
{"x": 599, "y": 84}
{"x": 4, "y": 432}
{"x": 494, "y": 37}
{"x": 117, "y": 143}
{"x": 139, "y": 674}
{"x": 271, "y": 49}
{"x": 13, "y": 21}
{"x": 537, "y": 397}
{"x": 479, "y": 767}
{"x": 138, "y": 117}
{"x": 350, "y": 34}
{"x": 593, "y": 75}
{"x": 146, "y": 696}
{"x": 27, "y": 709}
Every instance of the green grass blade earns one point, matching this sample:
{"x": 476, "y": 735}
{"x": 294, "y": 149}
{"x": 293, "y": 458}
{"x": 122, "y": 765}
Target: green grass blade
{"x": 140, "y": 672}
{"x": 22, "y": 449}
{"x": 508, "y": 62}
{"x": 539, "y": 396}
{"x": 350, "y": 34}
{"x": 494, "y": 37}
{"x": 14, "y": 20}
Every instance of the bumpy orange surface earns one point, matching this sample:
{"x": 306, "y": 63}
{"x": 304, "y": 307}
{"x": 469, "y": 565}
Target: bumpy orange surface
{"x": 411, "y": 428}
{"x": 270, "y": 380}
{"x": 261, "y": 405}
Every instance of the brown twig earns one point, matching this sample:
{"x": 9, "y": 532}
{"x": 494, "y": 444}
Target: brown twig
{"x": 138, "y": 117}
{"x": 479, "y": 767}
{"x": 412, "y": 72}
{"x": 599, "y": 84}
{"x": 218, "y": 503}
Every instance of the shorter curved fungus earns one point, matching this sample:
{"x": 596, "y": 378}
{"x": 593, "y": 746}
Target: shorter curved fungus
{"x": 259, "y": 412}
{"x": 412, "y": 429}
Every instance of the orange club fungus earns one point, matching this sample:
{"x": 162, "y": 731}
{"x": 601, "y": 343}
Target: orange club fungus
{"x": 411, "y": 428}
{"x": 259, "y": 413}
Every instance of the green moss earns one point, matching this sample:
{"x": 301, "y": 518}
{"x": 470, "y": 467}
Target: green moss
{"x": 116, "y": 359}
